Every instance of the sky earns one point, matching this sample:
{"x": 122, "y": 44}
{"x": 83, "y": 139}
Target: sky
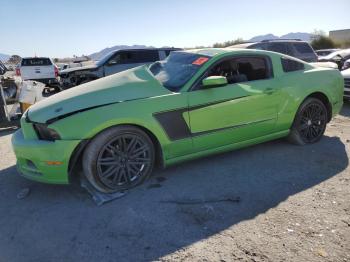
{"x": 74, "y": 27}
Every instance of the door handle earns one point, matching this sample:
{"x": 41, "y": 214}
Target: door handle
{"x": 269, "y": 91}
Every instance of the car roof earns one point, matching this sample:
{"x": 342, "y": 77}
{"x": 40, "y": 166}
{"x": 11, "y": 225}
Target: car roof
{"x": 38, "y": 57}
{"x": 244, "y": 45}
{"x": 247, "y": 44}
{"x": 218, "y": 51}
{"x": 145, "y": 49}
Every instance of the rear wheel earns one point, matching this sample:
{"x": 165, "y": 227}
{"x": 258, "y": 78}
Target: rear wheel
{"x": 118, "y": 159}
{"x": 310, "y": 122}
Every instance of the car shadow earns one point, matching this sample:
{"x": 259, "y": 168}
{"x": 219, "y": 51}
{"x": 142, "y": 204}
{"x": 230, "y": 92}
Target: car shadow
{"x": 177, "y": 207}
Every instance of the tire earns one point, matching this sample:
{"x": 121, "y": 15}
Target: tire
{"x": 119, "y": 159}
{"x": 309, "y": 123}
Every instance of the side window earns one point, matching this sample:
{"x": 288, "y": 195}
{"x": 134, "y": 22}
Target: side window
{"x": 134, "y": 57}
{"x": 121, "y": 58}
{"x": 242, "y": 69}
{"x": 289, "y": 65}
{"x": 145, "y": 56}
{"x": 278, "y": 47}
{"x": 303, "y": 48}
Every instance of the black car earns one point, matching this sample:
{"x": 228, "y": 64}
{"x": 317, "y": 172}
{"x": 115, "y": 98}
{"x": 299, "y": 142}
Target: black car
{"x": 293, "y": 47}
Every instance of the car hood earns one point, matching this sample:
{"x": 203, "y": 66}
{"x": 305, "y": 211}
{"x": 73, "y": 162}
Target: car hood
{"x": 325, "y": 64}
{"x": 78, "y": 68}
{"x": 132, "y": 84}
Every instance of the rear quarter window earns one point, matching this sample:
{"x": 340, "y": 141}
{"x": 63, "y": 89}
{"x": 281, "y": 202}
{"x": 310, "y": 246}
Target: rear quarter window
{"x": 303, "y": 48}
{"x": 290, "y": 65}
{"x": 36, "y": 62}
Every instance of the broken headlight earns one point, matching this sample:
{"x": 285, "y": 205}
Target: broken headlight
{"x": 45, "y": 133}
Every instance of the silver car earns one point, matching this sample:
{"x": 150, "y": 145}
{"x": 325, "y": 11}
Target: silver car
{"x": 114, "y": 62}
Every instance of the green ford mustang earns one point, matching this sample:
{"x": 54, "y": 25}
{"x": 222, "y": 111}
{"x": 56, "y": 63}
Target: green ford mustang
{"x": 195, "y": 103}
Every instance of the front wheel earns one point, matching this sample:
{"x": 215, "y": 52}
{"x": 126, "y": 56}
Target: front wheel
{"x": 310, "y": 122}
{"x": 118, "y": 159}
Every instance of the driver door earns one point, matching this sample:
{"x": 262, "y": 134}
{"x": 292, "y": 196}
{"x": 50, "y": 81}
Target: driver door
{"x": 243, "y": 109}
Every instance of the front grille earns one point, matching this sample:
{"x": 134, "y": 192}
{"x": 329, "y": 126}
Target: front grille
{"x": 347, "y": 83}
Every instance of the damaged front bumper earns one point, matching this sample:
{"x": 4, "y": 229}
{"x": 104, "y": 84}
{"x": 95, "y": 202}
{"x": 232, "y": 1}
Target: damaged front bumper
{"x": 43, "y": 161}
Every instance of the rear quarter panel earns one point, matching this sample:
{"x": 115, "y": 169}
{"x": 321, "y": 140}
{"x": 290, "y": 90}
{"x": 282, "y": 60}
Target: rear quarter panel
{"x": 297, "y": 86}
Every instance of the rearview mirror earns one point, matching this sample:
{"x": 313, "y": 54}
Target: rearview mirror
{"x": 212, "y": 81}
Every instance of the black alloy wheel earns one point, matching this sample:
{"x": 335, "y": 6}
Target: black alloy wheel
{"x": 118, "y": 159}
{"x": 123, "y": 161}
{"x": 313, "y": 122}
{"x": 310, "y": 122}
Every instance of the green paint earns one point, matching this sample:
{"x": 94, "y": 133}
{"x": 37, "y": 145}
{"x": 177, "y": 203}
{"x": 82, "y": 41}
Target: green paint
{"x": 221, "y": 118}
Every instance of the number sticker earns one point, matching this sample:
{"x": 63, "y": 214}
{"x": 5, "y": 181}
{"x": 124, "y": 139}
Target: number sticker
{"x": 200, "y": 61}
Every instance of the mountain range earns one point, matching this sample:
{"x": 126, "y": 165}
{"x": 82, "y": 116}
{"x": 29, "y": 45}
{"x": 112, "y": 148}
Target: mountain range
{"x": 105, "y": 51}
{"x": 302, "y": 36}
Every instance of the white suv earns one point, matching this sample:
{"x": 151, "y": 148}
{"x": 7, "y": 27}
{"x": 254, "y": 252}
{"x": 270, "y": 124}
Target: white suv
{"x": 40, "y": 69}
{"x": 346, "y": 75}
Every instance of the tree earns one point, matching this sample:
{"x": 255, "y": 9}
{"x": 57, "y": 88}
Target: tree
{"x": 323, "y": 42}
{"x": 320, "y": 40}
{"x": 229, "y": 43}
{"x": 15, "y": 59}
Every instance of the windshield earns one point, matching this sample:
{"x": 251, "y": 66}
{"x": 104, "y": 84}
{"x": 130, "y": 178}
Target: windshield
{"x": 177, "y": 69}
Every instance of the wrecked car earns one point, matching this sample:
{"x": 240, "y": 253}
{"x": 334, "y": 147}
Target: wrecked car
{"x": 3, "y": 68}
{"x": 114, "y": 62}
{"x": 195, "y": 103}
{"x": 338, "y": 57}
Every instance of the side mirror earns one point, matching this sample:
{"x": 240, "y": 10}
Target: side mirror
{"x": 213, "y": 81}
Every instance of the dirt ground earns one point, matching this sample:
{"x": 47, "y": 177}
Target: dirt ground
{"x": 294, "y": 205}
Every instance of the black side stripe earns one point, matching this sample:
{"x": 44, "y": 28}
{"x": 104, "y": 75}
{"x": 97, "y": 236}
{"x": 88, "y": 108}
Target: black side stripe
{"x": 175, "y": 125}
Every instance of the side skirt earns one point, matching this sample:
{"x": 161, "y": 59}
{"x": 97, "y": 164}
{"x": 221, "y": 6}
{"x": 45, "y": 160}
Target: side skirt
{"x": 226, "y": 148}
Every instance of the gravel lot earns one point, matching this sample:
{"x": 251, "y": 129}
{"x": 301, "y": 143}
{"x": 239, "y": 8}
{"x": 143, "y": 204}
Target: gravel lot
{"x": 294, "y": 206}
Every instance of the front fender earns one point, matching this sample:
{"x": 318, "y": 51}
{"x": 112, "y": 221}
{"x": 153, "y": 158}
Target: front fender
{"x": 87, "y": 124}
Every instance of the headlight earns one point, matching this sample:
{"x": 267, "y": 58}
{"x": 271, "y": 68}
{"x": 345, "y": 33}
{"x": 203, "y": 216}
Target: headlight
{"x": 45, "y": 133}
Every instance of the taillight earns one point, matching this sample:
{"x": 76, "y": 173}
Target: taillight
{"x": 18, "y": 72}
{"x": 56, "y": 71}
